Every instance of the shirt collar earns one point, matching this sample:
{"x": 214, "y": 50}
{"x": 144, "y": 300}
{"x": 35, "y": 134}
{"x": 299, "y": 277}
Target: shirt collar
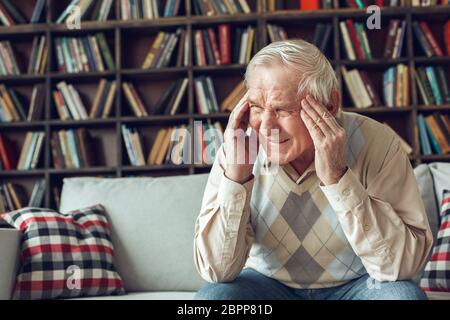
{"x": 295, "y": 176}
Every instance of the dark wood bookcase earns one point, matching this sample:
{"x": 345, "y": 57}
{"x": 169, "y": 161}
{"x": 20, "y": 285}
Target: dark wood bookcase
{"x": 130, "y": 41}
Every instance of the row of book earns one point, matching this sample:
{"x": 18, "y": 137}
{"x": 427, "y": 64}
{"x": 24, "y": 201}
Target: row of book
{"x": 10, "y": 15}
{"x": 361, "y": 89}
{"x": 83, "y": 54}
{"x": 396, "y": 86}
{"x": 434, "y": 133}
{"x": 395, "y": 39}
{"x": 357, "y": 46}
{"x": 29, "y": 156}
{"x": 433, "y": 85}
{"x": 359, "y": 4}
{"x": 103, "y": 100}
{"x": 99, "y": 10}
{"x": 69, "y": 104}
{"x": 427, "y": 41}
{"x": 172, "y": 145}
{"x": 274, "y": 5}
{"x": 96, "y": 10}
{"x": 163, "y": 47}
{"x": 168, "y": 103}
{"x": 205, "y": 95}
{"x": 38, "y": 57}
{"x": 13, "y": 196}
{"x": 92, "y": 53}
{"x": 363, "y": 93}
{"x": 216, "y": 7}
{"x": 429, "y": 3}
{"x": 12, "y": 106}
{"x": 355, "y": 40}
{"x": 72, "y": 148}
{"x": 148, "y": 9}
{"x": 8, "y": 63}
{"x": 431, "y": 82}
{"x": 211, "y": 49}
{"x": 224, "y": 49}
{"x": 321, "y": 37}
{"x": 31, "y": 150}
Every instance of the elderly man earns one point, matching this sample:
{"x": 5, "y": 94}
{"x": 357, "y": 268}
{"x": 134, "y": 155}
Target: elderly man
{"x": 341, "y": 218}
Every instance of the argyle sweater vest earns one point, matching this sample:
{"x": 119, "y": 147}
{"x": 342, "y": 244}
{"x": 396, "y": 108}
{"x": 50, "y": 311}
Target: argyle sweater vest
{"x": 298, "y": 237}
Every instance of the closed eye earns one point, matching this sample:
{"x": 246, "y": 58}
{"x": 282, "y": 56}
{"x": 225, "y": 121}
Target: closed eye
{"x": 256, "y": 108}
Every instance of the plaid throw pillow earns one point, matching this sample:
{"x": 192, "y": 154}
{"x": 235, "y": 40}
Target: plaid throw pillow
{"x": 437, "y": 270}
{"x": 64, "y": 255}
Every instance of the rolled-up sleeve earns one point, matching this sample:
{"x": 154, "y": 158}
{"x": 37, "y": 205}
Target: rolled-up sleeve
{"x": 385, "y": 222}
{"x": 223, "y": 233}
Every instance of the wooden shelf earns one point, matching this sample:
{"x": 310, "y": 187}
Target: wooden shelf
{"x": 81, "y": 75}
{"x": 22, "y": 173}
{"x": 90, "y": 170}
{"x": 432, "y": 158}
{"x": 434, "y": 108}
{"x": 155, "y": 168}
{"x": 120, "y": 37}
{"x": 381, "y": 110}
{"x": 375, "y": 63}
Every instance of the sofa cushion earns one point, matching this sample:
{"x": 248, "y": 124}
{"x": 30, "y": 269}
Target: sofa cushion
{"x": 155, "y": 295}
{"x": 441, "y": 177}
{"x": 64, "y": 256}
{"x": 9, "y": 262}
{"x": 152, "y": 226}
{"x": 426, "y": 188}
{"x": 438, "y": 268}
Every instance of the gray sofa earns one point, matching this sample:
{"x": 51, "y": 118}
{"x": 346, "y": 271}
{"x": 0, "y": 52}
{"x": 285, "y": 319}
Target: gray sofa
{"x": 152, "y": 224}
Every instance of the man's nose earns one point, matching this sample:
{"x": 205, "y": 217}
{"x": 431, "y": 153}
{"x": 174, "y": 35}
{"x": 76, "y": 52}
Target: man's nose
{"x": 269, "y": 120}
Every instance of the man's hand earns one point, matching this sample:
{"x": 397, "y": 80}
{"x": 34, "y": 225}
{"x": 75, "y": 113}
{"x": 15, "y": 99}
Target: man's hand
{"x": 240, "y": 153}
{"x": 329, "y": 140}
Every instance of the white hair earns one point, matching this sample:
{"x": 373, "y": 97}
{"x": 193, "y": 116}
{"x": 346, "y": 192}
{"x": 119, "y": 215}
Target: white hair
{"x": 315, "y": 73}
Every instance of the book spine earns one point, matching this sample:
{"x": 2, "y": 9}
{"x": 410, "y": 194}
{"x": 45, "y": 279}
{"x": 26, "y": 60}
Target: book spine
{"x": 225, "y": 43}
{"x": 431, "y": 40}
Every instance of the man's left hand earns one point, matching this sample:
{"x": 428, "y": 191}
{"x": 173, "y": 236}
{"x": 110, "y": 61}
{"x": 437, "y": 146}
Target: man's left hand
{"x": 329, "y": 140}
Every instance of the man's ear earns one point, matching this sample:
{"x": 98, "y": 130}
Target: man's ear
{"x": 335, "y": 102}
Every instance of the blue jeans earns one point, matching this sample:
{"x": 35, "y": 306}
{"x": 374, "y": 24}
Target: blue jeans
{"x": 252, "y": 285}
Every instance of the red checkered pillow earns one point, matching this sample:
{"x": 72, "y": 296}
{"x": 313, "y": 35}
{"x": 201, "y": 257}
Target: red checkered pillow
{"x": 64, "y": 255}
{"x": 437, "y": 271}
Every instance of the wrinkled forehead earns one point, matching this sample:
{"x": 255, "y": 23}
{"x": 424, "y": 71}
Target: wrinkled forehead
{"x": 274, "y": 83}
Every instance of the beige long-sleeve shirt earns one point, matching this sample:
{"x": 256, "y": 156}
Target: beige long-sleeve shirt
{"x": 293, "y": 229}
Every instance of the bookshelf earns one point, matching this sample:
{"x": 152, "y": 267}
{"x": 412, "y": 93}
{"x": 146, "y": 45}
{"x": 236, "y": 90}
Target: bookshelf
{"x": 129, "y": 43}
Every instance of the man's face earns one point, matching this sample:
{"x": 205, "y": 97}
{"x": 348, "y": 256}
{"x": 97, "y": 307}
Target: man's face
{"x": 274, "y": 89}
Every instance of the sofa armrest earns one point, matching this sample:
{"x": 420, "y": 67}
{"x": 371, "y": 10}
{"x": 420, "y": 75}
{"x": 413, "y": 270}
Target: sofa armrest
{"x": 9, "y": 260}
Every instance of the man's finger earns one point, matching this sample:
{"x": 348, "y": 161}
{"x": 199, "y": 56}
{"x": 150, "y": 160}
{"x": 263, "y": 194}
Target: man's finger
{"x": 316, "y": 118}
{"x": 314, "y": 130}
{"x": 238, "y": 113}
{"x": 324, "y": 113}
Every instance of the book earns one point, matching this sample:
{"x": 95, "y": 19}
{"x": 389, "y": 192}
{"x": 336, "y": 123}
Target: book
{"x": 83, "y": 54}
{"x": 220, "y": 7}
{"x": 178, "y": 97}
{"x": 36, "y": 16}
{"x": 31, "y": 150}
{"x": 8, "y": 63}
{"x": 14, "y": 13}
{"x": 309, "y": 5}
{"x": 134, "y": 100}
{"x": 8, "y": 154}
{"x": 73, "y": 148}
{"x": 161, "y": 134}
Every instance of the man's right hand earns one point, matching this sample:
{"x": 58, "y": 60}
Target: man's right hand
{"x": 240, "y": 149}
